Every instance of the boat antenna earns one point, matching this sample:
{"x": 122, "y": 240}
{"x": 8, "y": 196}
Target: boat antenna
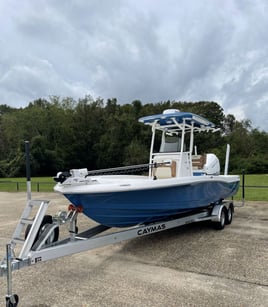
{"x": 28, "y": 170}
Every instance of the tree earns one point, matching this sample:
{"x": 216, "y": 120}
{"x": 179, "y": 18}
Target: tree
{"x": 65, "y": 133}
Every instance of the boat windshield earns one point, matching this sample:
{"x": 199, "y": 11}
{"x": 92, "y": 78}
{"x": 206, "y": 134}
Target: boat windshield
{"x": 170, "y": 143}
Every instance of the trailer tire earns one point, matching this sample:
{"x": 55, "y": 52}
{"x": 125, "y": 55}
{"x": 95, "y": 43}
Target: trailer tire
{"x": 229, "y": 214}
{"x": 46, "y": 220}
{"x": 219, "y": 225}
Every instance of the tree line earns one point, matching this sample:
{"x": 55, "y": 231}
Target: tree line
{"x": 65, "y": 133}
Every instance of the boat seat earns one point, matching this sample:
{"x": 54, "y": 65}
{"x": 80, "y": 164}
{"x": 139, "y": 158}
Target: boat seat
{"x": 198, "y": 161}
{"x": 165, "y": 171}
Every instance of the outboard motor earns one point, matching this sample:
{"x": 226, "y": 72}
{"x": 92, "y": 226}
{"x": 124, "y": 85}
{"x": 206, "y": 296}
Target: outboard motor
{"x": 212, "y": 166}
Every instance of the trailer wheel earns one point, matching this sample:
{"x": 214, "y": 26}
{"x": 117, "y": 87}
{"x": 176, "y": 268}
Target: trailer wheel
{"x": 229, "y": 214}
{"x": 12, "y": 301}
{"x": 46, "y": 220}
{"x": 221, "y": 223}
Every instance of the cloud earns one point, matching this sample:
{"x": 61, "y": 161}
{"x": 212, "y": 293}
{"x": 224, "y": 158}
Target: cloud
{"x": 142, "y": 49}
{"x": 36, "y": 78}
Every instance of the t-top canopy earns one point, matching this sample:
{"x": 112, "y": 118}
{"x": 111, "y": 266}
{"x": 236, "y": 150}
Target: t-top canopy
{"x": 175, "y": 120}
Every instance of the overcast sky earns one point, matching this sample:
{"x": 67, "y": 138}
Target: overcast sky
{"x": 151, "y": 50}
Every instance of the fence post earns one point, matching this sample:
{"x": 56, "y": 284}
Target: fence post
{"x": 28, "y": 170}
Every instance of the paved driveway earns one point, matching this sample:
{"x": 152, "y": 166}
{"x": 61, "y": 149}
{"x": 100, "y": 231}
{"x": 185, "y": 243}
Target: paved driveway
{"x": 193, "y": 265}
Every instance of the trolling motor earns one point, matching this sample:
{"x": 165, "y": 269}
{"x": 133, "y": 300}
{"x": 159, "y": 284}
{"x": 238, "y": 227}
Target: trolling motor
{"x": 84, "y": 173}
{"x": 61, "y": 176}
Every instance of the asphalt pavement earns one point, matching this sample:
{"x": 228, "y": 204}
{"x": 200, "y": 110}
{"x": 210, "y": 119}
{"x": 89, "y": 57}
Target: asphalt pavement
{"x": 193, "y": 265}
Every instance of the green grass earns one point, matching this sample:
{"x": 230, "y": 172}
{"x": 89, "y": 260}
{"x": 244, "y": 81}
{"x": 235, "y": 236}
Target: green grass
{"x": 38, "y": 184}
{"x": 256, "y": 186}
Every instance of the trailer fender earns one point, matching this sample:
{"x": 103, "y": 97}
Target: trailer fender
{"x": 216, "y": 211}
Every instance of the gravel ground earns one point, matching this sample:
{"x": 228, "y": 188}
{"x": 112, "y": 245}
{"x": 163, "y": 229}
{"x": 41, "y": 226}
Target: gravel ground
{"x": 193, "y": 265}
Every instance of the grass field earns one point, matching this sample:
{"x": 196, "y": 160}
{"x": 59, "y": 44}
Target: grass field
{"x": 38, "y": 184}
{"x": 256, "y": 186}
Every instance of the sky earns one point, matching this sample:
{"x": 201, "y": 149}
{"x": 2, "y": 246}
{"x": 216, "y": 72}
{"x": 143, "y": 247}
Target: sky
{"x": 151, "y": 50}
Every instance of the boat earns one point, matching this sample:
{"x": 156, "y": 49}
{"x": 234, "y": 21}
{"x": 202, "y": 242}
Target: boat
{"x": 178, "y": 180}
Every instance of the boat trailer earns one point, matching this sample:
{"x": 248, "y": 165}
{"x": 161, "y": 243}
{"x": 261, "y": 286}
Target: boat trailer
{"x": 37, "y": 238}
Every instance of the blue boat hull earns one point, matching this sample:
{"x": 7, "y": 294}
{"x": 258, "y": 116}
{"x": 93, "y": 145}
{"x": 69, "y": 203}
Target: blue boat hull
{"x": 128, "y": 208}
